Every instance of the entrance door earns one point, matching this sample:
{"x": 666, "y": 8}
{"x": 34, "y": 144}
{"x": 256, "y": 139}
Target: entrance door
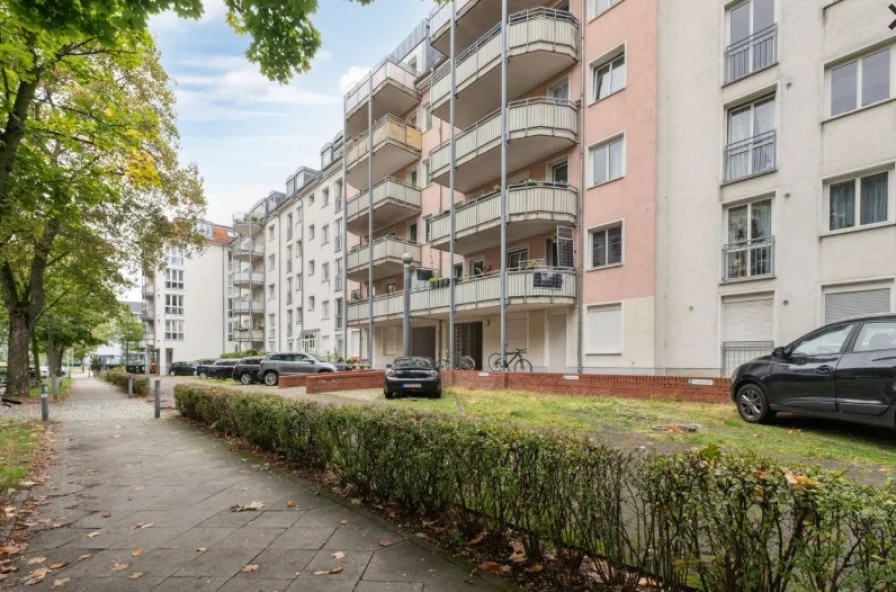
{"x": 557, "y": 341}
{"x": 423, "y": 342}
{"x": 169, "y": 357}
{"x": 468, "y": 342}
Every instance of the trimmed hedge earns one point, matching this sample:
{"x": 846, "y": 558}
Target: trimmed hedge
{"x": 119, "y": 378}
{"x": 717, "y": 521}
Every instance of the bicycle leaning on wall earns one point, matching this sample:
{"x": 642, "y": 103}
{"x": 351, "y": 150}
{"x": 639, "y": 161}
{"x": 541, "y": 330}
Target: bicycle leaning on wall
{"x": 514, "y": 362}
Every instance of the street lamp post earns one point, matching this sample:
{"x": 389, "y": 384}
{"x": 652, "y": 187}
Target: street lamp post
{"x": 406, "y": 318}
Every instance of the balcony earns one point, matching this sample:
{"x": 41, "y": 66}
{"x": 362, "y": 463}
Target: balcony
{"x": 526, "y": 289}
{"x": 247, "y": 224}
{"x": 395, "y": 146}
{"x": 148, "y": 315}
{"x": 751, "y": 54}
{"x": 394, "y": 92}
{"x": 532, "y": 209}
{"x": 254, "y": 335}
{"x": 246, "y": 306}
{"x": 474, "y": 19}
{"x": 393, "y": 201}
{"x": 536, "y": 129}
{"x": 149, "y": 290}
{"x": 387, "y": 253}
{"x": 248, "y": 251}
{"x": 246, "y": 279}
{"x": 749, "y": 157}
{"x": 541, "y": 43}
{"x": 749, "y": 259}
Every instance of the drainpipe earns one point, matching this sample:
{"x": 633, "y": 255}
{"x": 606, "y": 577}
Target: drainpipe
{"x": 580, "y": 289}
{"x": 345, "y": 332}
{"x": 370, "y": 218}
{"x": 503, "y": 296}
{"x": 279, "y": 284}
{"x": 451, "y": 198}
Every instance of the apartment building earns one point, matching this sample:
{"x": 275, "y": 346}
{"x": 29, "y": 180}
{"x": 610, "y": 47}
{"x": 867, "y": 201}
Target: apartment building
{"x": 776, "y": 182}
{"x": 185, "y": 300}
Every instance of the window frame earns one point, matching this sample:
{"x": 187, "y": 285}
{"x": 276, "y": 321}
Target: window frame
{"x": 593, "y": 12}
{"x": 605, "y": 229}
{"x": 856, "y": 178}
{"x": 861, "y": 329}
{"x": 589, "y": 349}
{"x": 174, "y": 335}
{"x": 172, "y": 309}
{"x": 859, "y": 60}
{"x": 621, "y": 137}
{"x": 174, "y": 284}
{"x": 607, "y": 59}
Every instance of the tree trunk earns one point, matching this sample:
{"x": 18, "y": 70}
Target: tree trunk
{"x": 58, "y": 358}
{"x": 35, "y": 351}
{"x": 17, "y": 367}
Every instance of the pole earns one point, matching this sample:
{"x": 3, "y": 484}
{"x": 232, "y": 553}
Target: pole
{"x": 158, "y": 399}
{"x": 44, "y": 401}
{"x": 580, "y": 288}
{"x": 451, "y": 193}
{"x": 370, "y": 219}
{"x": 406, "y": 317}
{"x": 344, "y": 197}
{"x": 503, "y": 300}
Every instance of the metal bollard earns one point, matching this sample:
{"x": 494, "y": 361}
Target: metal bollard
{"x": 130, "y": 385}
{"x": 158, "y": 399}
{"x": 44, "y": 402}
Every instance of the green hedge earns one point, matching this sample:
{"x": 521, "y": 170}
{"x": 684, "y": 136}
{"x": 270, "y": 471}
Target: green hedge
{"x": 241, "y": 354}
{"x": 716, "y": 521}
{"x": 119, "y": 378}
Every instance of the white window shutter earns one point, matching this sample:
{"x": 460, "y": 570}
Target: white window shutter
{"x": 842, "y": 305}
{"x": 604, "y": 327}
{"x": 517, "y": 334}
{"x": 747, "y": 320}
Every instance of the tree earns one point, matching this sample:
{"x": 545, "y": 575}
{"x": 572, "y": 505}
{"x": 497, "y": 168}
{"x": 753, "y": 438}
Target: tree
{"x": 127, "y": 332}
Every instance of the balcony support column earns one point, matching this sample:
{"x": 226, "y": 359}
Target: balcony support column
{"x": 503, "y": 286}
{"x": 370, "y": 217}
{"x": 344, "y": 197}
{"x": 580, "y": 272}
{"x": 451, "y": 214}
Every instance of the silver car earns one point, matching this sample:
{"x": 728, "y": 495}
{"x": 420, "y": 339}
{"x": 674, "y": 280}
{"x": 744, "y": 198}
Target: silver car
{"x": 273, "y": 366}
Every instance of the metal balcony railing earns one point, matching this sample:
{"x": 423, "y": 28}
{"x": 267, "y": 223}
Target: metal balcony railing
{"x": 387, "y": 189}
{"x": 387, "y": 247}
{"x": 441, "y": 14}
{"x": 244, "y": 305}
{"x": 147, "y": 314}
{"x": 388, "y": 69}
{"x": 750, "y": 157}
{"x": 246, "y": 335}
{"x": 149, "y": 290}
{"x": 752, "y": 54}
{"x": 749, "y": 259}
{"x": 387, "y": 127}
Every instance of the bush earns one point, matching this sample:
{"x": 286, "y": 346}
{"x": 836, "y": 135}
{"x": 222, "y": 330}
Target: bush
{"x": 119, "y": 378}
{"x": 241, "y": 354}
{"x": 719, "y": 521}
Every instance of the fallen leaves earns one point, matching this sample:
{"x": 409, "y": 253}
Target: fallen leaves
{"x": 250, "y": 507}
{"x": 7, "y": 567}
{"x": 59, "y": 565}
{"x": 343, "y": 522}
{"x": 61, "y": 582}
{"x": 202, "y": 549}
{"x": 799, "y": 481}
{"x": 477, "y": 539}
{"x": 385, "y": 543}
{"x": 37, "y": 576}
{"x": 143, "y": 525}
{"x": 249, "y": 568}
{"x": 338, "y": 555}
{"x": 8, "y": 550}
{"x": 493, "y": 567}
{"x": 107, "y": 514}
{"x": 135, "y": 575}
{"x": 137, "y": 552}
{"x": 533, "y": 569}
{"x": 519, "y": 552}
{"x": 85, "y": 556}
{"x": 119, "y": 566}
{"x": 93, "y": 534}
{"x": 290, "y": 504}
{"x": 35, "y": 560}
{"x": 328, "y": 572}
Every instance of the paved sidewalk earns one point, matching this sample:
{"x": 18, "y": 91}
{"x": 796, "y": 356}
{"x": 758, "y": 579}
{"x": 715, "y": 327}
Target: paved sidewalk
{"x": 154, "y": 497}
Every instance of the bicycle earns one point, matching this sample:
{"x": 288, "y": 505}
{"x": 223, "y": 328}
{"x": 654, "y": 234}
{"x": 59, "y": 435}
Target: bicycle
{"x": 516, "y": 361}
{"x": 464, "y": 363}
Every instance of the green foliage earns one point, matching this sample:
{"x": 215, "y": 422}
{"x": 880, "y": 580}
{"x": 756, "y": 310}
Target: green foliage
{"x": 723, "y": 522}
{"x": 119, "y": 378}
{"x": 241, "y": 354}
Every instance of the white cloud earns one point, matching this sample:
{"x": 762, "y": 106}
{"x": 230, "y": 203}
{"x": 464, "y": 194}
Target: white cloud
{"x": 352, "y": 77}
{"x": 323, "y": 55}
{"x": 213, "y": 11}
{"x": 198, "y": 106}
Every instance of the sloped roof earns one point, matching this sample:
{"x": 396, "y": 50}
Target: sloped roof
{"x": 222, "y": 235}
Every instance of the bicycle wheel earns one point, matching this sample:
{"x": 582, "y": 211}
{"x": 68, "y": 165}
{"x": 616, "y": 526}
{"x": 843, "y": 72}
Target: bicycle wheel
{"x": 522, "y": 365}
{"x": 467, "y": 363}
{"x": 494, "y": 361}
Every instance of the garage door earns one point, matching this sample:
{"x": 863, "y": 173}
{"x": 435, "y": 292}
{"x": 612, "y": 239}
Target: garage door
{"x": 841, "y": 305}
{"x": 747, "y": 320}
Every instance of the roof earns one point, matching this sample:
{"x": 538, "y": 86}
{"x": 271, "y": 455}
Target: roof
{"x": 222, "y": 235}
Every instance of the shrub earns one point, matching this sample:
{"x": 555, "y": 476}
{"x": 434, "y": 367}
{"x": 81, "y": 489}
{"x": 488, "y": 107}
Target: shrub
{"x": 722, "y": 522}
{"x": 119, "y": 378}
{"x": 241, "y": 354}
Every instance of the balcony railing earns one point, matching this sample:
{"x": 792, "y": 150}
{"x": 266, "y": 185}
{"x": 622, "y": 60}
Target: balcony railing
{"x": 749, "y": 259}
{"x": 389, "y": 69}
{"x": 385, "y": 248}
{"x": 752, "y": 54}
{"x": 387, "y": 128}
{"x": 147, "y": 314}
{"x": 750, "y": 157}
{"x": 245, "y": 278}
{"x": 542, "y": 285}
{"x": 248, "y": 224}
{"x": 441, "y": 14}
{"x": 386, "y": 191}
{"x": 247, "y": 335}
{"x": 244, "y": 306}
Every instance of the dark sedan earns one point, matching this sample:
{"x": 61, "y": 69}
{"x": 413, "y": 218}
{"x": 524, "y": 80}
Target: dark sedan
{"x": 221, "y": 369}
{"x": 246, "y": 370}
{"x": 413, "y": 375}
{"x": 182, "y": 369}
{"x": 845, "y": 370}
{"x": 203, "y": 367}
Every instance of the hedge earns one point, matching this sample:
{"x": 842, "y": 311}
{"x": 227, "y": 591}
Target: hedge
{"x": 119, "y": 378}
{"x": 716, "y": 521}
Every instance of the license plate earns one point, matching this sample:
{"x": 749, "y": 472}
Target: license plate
{"x": 415, "y": 385}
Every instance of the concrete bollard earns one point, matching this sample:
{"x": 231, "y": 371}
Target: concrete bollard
{"x": 44, "y": 403}
{"x": 130, "y": 386}
{"x": 158, "y": 399}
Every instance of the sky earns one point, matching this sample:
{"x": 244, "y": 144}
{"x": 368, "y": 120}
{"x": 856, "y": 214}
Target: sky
{"x": 248, "y": 134}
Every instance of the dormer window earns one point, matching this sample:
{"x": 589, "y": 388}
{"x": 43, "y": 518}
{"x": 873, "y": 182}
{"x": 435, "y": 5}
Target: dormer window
{"x": 204, "y": 229}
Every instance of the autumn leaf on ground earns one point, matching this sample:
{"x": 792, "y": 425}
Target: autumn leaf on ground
{"x": 143, "y": 525}
{"x": 61, "y": 582}
{"x": 93, "y": 535}
{"x": 36, "y": 560}
{"x": 328, "y": 572}
{"x": 57, "y": 525}
{"x": 477, "y": 539}
{"x": 59, "y": 565}
{"x": 118, "y": 566}
{"x": 290, "y": 504}
{"x": 83, "y": 557}
{"x": 135, "y": 575}
{"x": 385, "y": 543}
{"x": 249, "y": 568}
{"x": 107, "y": 514}
{"x": 7, "y": 567}
{"x": 338, "y": 555}
{"x": 519, "y": 552}
{"x": 137, "y": 552}
{"x": 202, "y": 549}
{"x": 37, "y": 576}
{"x": 343, "y": 522}
{"x": 537, "y": 568}
{"x": 491, "y": 567}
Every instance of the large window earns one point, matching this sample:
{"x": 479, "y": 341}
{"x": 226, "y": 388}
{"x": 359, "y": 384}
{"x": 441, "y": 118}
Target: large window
{"x": 608, "y": 161}
{"x": 309, "y": 342}
{"x": 272, "y": 325}
{"x": 174, "y": 330}
{"x": 174, "y": 279}
{"x": 608, "y": 76}
{"x": 311, "y": 232}
{"x": 174, "y": 256}
{"x": 598, "y": 7}
{"x": 604, "y": 329}
{"x": 272, "y": 291}
{"x": 606, "y": 246}
{"x": 311, "y": 301}
{"x": 311, "y": 267}
{"x": 289, "y": 290}
{"x": 288, "y": 258}
{"x": 751, "y": 139}
{"x": 325, "y": 272}
{"x": 289, "y": 317}
{"x": 325, "y": 234}
{"x": 860, "y": 201}
{"x": 518, "y": 259}
{"x": 748, "y": 252}
{"x": 174, "y": 304}
{"x": 325, "y": 309}
{"x": 752, "y": 38}
{"x": 861, "y": 82}
{"x": 272, "y": 261}
{"x": 325, "y": 197}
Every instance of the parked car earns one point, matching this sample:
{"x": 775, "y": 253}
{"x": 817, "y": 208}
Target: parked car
{"x": 182, "y": 369}
{"x": 221, "y": 369}
{"x": 275, "y": 365}
{"x": 202, "y": 367}
{"x": 845, "y": 370}
{"x": 246, "y": 370}
{"x": 413, "y": 375}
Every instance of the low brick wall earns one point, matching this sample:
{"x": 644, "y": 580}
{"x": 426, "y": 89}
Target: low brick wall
{"x": 679, "y": 388}
{"x": 292, "y": 380}
{"x": 328, "y": 382}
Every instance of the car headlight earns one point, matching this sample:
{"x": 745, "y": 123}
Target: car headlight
{"x": 433, "y": 373}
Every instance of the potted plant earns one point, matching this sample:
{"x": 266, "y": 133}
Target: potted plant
{"x": 434, "y": 281}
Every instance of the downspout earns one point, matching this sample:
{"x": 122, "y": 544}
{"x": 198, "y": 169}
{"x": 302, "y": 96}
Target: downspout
{"x": 451, "y": 281}
{"x": 580, "y": 289}
{"x": 279, "y": 283}
{"x": 344, "y": 197}
{"x": 370, "y": 219}
{"x": 503, "y": 283}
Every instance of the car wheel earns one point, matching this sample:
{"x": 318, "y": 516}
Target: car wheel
{"x": 270, "y": 378}
{"x": 172, "y": 373}
{"x": 752, "y": 404}
{"x": 246, "y": 378}
{"x": 436, "y": 395}
{"x": 389, "y": 394}
{"x": 203, "y": 375}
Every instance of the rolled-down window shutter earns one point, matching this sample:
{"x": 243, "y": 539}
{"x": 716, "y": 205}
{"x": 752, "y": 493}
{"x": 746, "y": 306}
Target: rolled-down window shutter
{"x": 517, "y": 334}
{"x": 604, "y": 327}
{"x": 841, "y": 305}
{"x": 747, "y": 320}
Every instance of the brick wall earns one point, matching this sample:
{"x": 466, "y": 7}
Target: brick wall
{"x": 292, "y": 380}
{"x": 678, "y": 388}
{"x": 328, "y": 382}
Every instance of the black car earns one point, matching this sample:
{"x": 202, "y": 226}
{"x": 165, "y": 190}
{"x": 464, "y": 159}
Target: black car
{"x": 203, "y": 366}
{"x": 220, "y": 369}
{"x": 182, "y": 369}
{"x": 844, "y": 370}
{"x": 246, "y": 370}
{"x": 413, "y": 375}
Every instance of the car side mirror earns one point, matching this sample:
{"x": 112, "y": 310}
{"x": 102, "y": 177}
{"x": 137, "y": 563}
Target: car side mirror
{"x": 781, "y": 352}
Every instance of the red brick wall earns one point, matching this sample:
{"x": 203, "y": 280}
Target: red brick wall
{"x": 614, "y": 385}
{"x": 328, "y": 382}
{"x": 292, "y": 380}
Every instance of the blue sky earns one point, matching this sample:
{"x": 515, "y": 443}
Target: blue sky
{"x": 247, "y": 133}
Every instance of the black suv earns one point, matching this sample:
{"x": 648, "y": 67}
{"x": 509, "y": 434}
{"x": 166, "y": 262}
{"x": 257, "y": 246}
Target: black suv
{"x": 203, "y": 366}
{"x": 246, "y": 370}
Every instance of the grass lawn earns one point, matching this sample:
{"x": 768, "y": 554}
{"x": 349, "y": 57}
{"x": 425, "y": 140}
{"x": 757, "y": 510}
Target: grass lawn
{"x": 19, "y": 442}
{"x": 63, "y": 388}
{"x": 628, "y": 422}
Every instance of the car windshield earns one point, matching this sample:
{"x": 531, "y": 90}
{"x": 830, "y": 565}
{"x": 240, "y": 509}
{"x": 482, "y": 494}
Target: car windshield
{"x": 412, "y": 363}
{"x": 250, "y": 361}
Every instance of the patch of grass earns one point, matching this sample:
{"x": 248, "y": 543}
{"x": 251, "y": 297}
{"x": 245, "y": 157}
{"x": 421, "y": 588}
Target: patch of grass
{"x": 19, "y": 442}
{"x": 63, "y": 388}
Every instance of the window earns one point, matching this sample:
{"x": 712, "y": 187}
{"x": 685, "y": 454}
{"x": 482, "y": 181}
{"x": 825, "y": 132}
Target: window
{"x": 862, "y": 82}
{"x": 311, "y": 232}
{"x": 598, "y": 7}
{"x": 606, "y": 247}
{"x": 325, "y": 309}
{"x": 604, "y": 329}
{"x": 288, "y": 258}
{"x": 427, "y": 173}
{"x": 339, "y": 274}
{"x": 289, "y": 290}
{"x": 311, "y": 200}
{"x": 298, "y": 282}
{"x": 427, "y": 229}
{"x": 751, "y": 139}
{"x": 608, "y": 161}
{"x": 174, "y": 330}
{"x": 559, "y": 90}
{"x": 560, "y": 172}
{"x": 174, "y": 279}
{"x": 608, "y": 77}
{"x": 288, "y": 226}
{"x": 412, "y": 233}
{"x": 752, "y": 38}
{"x": 340, "y": 343}
{"x": 518, "y": 259}
{"x": 871, "y": 207}
{"x": 325, "y": 234}
{"x": 271, "y": 232}
{"x": 337, "y": 241}
{"x": 828, "y": 342}
{"x": 311, "y": 303}
{"x": 339, "y": 314}
{"x": 325, "y": 272}
{"x": 427, "y": 117}
{"x": 311, "y": 267}
{"x": 843, "y": 305}
{"x": 174, "y": 256}
{"x": 299, "y": 316}
{"x": 477, "y": 267}
{"x": 309, "y": 341}
{"x": 390, "y": 341}
{"x": 272, "y": 324}
{"x": 205, "y": 229}
{"x": 412, "y": 120}
{"x": 325, "y": 197}
{"x": 876, "y": 336}
{"x": 289, "y": 316}
{"x": 174, "y": 304}
{"x": 412, "y": 179}
{"x": 290, "y": 345}
{"x": 458, "y": 271}
{"x": 390, "y": 288}
{"x": 272, "y": 291}
{"x": 272, "y": 261}
{"x": 748, "y": 252}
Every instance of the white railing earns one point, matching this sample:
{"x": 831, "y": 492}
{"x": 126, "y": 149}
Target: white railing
{"x": 752, "y": 54}
{"x": 386, "y": 128}
{"x": 555, "y": 115}
{"x": 527, "y": 31}
{"x": 750, "y": 157}
{"x": 388, "y": 69}
{"x": 524, "y": 199}
{"x": 244, "y": 277}
{"x": 246, "y": 335}
{"x": 441, "y": 15}
{"x": 387, "y": 247}
{"x": 749, "y": 259}
{"x": 387, "y": 189}
{"x": 247, "y": 246}
{"x": 242, "y": 305}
